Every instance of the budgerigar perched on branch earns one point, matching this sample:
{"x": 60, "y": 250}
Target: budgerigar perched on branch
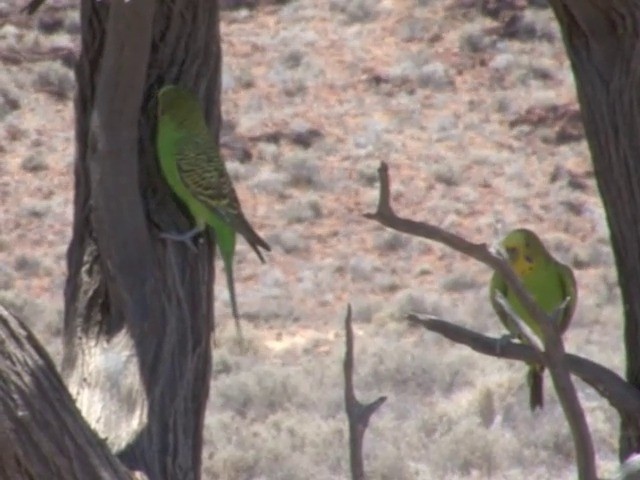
{"x": 550, "y": 283}
{"x": 191, "y": 164}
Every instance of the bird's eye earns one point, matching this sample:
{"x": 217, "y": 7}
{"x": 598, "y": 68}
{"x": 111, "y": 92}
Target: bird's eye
{"x": 528, "y": 259}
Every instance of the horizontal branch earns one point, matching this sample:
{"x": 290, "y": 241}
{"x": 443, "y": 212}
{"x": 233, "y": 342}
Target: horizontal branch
{"x": 612, "y": 387}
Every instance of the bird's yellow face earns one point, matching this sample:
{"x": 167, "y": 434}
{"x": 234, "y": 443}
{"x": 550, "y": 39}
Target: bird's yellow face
{"x": 523, "y": 250}
{"x": 179, "y": 105}
{"x": 521, "y": 263}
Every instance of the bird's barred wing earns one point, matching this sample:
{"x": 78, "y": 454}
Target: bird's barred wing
{"x": 203, "y": 173}
{"x": 570, "y": 291}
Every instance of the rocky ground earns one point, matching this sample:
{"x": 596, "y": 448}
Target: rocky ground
{"x": 472, "y": 104}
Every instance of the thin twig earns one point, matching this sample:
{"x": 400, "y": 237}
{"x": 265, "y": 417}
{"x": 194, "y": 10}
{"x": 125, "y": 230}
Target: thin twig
{"x": 358, "y": 414}
{"x": 553, "y": 353}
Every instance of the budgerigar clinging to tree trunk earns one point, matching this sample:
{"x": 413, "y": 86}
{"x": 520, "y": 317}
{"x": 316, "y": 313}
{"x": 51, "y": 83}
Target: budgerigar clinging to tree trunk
{"x": 192, "y": 166}
{"x": 549, "y": 282}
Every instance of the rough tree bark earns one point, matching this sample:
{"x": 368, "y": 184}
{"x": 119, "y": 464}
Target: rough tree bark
{"x": 603, "y": 43}
{"x": 138, "y": 309}
{"x": 42, "y": 434}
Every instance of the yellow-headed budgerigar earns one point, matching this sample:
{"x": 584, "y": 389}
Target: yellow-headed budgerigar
{"x": 550, "y": 283}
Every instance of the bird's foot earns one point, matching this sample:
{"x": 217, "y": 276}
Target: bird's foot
{"x": 503, "y": 341}
{"x": 184, "y": 237}
{"x": 558, "y": 313}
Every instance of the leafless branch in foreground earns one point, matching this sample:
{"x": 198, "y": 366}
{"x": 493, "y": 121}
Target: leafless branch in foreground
{"x": 358, "y": 414}
{"x": 553, "y": 354}
{"x": 42, "y": 434}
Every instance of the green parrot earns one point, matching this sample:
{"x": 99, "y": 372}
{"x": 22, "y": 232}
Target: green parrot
{"x": 550, "y": 283}
{"x": 192, "y": 166}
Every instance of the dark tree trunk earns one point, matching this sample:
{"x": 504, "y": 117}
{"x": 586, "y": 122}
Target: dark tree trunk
{"x": 41, "y": 433}
{"x": 138, "y": 310}
{"x": 602, "y": 38}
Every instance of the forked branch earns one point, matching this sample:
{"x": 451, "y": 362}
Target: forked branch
{"x": 358, "y": 414}
{"x": 553, "y": 353}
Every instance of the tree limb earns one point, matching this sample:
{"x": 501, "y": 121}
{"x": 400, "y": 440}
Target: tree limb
{"x": 357, "y": 413}
{"x": 613, "y": 388}
{"x": 553, "y": 353}
{"x": 42, "y": 434}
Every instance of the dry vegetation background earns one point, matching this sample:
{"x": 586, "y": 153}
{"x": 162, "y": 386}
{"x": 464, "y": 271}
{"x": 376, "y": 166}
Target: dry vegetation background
{"x": 475, "y": 111}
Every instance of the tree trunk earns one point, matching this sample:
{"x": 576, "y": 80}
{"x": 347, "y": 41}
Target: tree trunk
{"x": 603, "y": 44}
{"x": 138, "y": 309}
{"x": 41, "y": 433}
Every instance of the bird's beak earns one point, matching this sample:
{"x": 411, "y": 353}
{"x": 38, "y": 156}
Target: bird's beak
{"x": 512, "y": 253}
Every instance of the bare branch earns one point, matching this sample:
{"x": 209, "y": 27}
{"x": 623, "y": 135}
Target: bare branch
{"x": 357, "y": 413}
{"x": 613, "y": 388}
{"x": 478, "y": 251}
{"x": 553, "y": 353}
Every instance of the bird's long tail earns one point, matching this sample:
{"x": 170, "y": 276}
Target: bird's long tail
{"x": 226, "y": 243}
{"x": 535, "y": 378}
{"x": 254, "y": 240}
{"x": 231, "y": 286}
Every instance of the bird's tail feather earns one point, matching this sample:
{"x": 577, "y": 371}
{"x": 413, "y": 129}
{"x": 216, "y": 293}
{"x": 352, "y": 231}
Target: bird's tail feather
{"x": 535, "y": 378}
{"x": 254, "y": 240}
{"x": 231, "y": 286}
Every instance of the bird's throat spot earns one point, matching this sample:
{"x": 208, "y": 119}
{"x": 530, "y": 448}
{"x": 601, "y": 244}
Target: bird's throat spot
{"x": 523, "y": 265}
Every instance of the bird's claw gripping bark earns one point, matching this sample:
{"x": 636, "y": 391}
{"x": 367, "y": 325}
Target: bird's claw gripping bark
{"x": 184, "y": 237}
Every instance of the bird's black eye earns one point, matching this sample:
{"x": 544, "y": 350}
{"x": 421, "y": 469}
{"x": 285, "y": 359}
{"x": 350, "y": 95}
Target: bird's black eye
{"x": 528, "y": 259}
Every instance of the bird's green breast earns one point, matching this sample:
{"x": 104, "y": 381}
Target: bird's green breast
{"x": 545, "y": 285}
{"x": 170, "y": 143}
